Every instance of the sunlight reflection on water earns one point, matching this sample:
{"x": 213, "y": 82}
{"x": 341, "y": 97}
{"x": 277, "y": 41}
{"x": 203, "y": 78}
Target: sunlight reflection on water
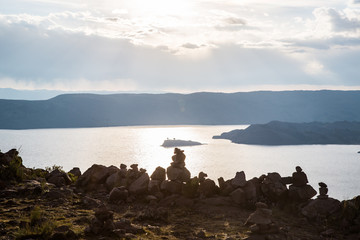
{"x": 336, "y": 165}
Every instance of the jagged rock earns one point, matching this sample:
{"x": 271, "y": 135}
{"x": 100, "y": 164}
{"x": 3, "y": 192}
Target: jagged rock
{"x": 239, "y": 180}
{"x": 140, "y": 185}
{"x": 159, "y": 174}
{"x": 238, "y": 196}
{"x": 172, "y": 187}
{"x": 321, "y": 207}
{"x": 118, "y": 194}
{"x": 208, "y": 188}
{"x": 59, "y": 178}
{"x": 178, "y": 174}
{"x": 301, "y": 194}
{"x": 75, "y": 171}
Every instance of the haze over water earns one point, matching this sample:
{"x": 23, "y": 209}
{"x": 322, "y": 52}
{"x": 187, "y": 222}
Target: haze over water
{"x": 336, "y": 165}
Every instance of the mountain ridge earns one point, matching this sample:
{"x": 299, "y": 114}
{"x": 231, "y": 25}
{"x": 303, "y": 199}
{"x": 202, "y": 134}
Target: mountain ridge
{"x": 202, "y": 108}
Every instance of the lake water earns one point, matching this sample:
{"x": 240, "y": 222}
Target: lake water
{"x": 336, "y": 165}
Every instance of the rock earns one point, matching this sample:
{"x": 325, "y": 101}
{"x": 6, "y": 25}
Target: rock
{"x": 154, "y": 186}
{"x": 208, "y": 188}
{"x": 323, "y": 190}
{"x": 128, "y": 227}
{"x": 261, "y": 217}
{"x": 59, "y": 178}
{"x": 238, "y": 196}
{"x": 115, "y": 180}
{"x": 94, "y": 176}
{"x": 91, "y": 202}
{"x": 118, "y": 194}
{"x": 301, "y": 194}
{"x": 172, "y": 187}
{"x": 225, "y": 187}
{"x": 75, "y": 171}
{"x": 272, "y": 188}
{"x": 159, "y": 174}
{"x": 140, "y": 185}
{"x": 190, "y": 188}
{"x": 250, "y": 192}
{"x": 239, "y": 180}
{"x": 321, "y": 207}
{"x": 202, "y": 176}
{"x": 178, "y": 174}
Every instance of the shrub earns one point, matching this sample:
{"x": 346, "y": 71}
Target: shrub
{"x": 38, "y": 227}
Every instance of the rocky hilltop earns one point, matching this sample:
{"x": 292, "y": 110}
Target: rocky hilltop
{"x": 110, "y": 202}
{"x": 285, "y": 133}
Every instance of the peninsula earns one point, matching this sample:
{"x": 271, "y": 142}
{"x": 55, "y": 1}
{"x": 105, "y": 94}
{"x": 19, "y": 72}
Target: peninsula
{"x": 285, "y": 133}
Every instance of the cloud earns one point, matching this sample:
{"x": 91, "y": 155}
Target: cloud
{"x": 190, "y": 46}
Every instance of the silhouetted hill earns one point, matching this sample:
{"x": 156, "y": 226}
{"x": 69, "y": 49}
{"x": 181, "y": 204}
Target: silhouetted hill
{"x": 284, "y": 133}
{"x": 91, "y": 110}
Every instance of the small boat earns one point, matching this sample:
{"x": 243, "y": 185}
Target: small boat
{"x": 179, "y": 143}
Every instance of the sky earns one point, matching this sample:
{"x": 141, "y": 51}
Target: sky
{"x": 179, "y": 45}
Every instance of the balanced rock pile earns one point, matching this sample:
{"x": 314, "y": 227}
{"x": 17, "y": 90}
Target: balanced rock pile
{"x": 176, "y": 173}
{"x": 260, "y": 221}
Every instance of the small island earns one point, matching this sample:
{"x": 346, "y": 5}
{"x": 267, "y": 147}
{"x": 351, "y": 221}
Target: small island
{"x": 179, "y": 143}
{"x": 285, "y": 133}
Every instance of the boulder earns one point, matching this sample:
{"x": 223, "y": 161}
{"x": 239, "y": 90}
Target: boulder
{"x": 154, "y": 186}
{"x": 96, "y": 174}
{"x": 159, "y": 174}
{"x": 59, "y": 178}
{"x": 190, "y": 188}
{"x": 225, "y": 187}
{"x": 118, "y": 194}
{"x": 75, "y": 171}
{"x": 250, "y": 192}
{"x": 172, "y": 187}
{"x": 321, "y": 207}
{"x": 238, "y": 196}
{"x": 178, "y": 174}
{"x": 140, "y": 185}
{"x": 208, "y": 188}
{"x": 239, "y": 180}
{"x": 115, "y": 180}
{"x": 301, "y": 194}
{"x": 272, "y": 188}
{"x": 261, "y": 216}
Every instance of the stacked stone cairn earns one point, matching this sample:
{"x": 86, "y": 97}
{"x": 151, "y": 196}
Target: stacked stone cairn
{"x": 300, "y": 190}
{"x": 260, "y": 221}
{"x": 323, "y": 206}
{"x": 177, "y": 173}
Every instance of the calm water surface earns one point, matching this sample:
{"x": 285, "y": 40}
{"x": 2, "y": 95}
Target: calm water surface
{"x": 336, "y": 165}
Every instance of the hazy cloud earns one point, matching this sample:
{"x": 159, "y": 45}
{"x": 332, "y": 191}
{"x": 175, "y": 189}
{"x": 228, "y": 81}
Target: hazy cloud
{"x": 203, "y": 44}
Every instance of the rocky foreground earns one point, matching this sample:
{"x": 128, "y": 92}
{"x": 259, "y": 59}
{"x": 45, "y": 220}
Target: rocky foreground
{"x": 126, "y": 203}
